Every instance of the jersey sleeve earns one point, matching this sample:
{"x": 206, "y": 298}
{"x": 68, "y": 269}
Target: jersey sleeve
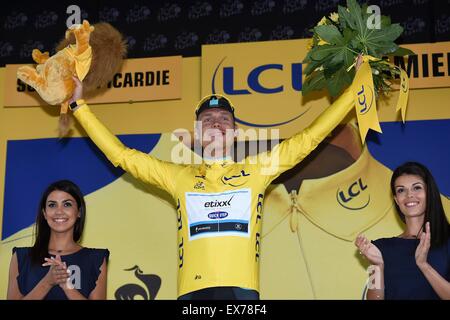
{"x": 291, "y": 151}
{"x": 141, "y": 165}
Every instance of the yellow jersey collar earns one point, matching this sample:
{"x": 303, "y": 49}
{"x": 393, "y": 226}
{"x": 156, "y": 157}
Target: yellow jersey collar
{"x": 343, "y": 204}
{"x": 218, "y": 161}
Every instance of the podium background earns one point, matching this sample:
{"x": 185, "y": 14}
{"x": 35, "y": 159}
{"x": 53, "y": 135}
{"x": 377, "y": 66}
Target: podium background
{"x": 138, "y": 222}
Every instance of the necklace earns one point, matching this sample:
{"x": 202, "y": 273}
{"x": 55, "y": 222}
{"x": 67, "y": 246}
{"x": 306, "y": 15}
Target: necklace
{"x": 409, "y": 236}
{"x": 71, "y": 249}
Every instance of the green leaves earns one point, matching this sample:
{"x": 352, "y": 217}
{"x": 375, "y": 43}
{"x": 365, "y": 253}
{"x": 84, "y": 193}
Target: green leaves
{"x": 337, "y": 44}
{"x": 360, "y": 24}
{"x": 330, "y": 34}
{"x": 315, "y": 82}
{"x": 345, "y": 18}
{"x": 402, "y": 52}
{"x": 337, "y": 81}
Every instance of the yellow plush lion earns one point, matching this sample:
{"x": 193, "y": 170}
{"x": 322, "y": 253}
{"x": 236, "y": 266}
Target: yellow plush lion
{"x": 91, "y": 53}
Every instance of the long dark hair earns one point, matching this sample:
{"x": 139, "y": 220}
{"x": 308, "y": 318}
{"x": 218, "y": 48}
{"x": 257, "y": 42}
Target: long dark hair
{"x": 39, "y": 251}
{"x": 439, "y": 226}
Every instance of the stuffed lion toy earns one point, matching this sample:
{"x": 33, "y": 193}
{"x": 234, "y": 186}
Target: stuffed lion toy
{"x": 91, "y": 53}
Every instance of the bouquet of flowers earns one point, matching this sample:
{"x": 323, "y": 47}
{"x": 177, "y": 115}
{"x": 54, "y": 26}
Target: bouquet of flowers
{"x": 337, "y": 41}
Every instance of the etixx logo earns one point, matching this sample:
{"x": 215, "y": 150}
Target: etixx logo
{"x": 218, "y": 203}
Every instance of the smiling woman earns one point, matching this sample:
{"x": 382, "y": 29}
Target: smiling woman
{"x": 57, "y": 267}
{"x": 415, "y": 264}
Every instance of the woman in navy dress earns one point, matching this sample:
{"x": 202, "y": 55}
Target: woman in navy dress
{"x": 415, "y": 264}
{"x": 57, "y": 267}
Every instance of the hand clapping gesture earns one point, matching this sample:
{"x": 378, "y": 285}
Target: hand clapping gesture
{"x": 424, "y": 246}
{"x": 369, "y": 250}
{"x": 58, "y": 274}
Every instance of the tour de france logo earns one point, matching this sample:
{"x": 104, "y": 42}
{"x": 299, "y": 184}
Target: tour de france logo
{"x": 132, "y": 291}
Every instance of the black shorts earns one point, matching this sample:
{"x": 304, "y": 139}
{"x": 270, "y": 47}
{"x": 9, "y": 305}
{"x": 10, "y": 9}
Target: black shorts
{"x": 221, "y": 293}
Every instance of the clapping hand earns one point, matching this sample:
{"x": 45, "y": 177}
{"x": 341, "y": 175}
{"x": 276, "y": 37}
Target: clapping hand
{"x": 369, "y": 250}
{"x": 424, "y": 246}
{"x": 58, "y": 274}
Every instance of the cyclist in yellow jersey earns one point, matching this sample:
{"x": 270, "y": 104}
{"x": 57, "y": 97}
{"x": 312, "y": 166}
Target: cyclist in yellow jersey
{"x": 218, "y": 202}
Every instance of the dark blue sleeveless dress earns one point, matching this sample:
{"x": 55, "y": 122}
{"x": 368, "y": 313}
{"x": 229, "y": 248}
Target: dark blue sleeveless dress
{"x": 84, "y": 264}
{"x": 403, "y": 280}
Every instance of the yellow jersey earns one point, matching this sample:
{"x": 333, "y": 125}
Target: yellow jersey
{"x": 218, "y": 203}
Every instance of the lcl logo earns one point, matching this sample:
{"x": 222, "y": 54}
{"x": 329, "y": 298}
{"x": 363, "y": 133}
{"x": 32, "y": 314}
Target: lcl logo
{"x": 362, "y": 99}
{"x": 253, "y": 79}
{"x": 254, "y": 76}
{"x": 254, "y": 85}
{"x": 355, "y": 197}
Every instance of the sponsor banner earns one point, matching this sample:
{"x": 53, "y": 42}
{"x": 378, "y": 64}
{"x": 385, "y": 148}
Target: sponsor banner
{"x": 145, "y": 79}
{"x": 264, "y": 81}
{"x": 429, "y": 67}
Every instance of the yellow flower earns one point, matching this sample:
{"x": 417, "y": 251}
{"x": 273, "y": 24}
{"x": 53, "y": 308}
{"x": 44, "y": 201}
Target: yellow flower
{"x": 322, "y": 22}
{"x": 334, "y": 17}
{"x": 321, "y": 42}
{"x": 310, "y": 44}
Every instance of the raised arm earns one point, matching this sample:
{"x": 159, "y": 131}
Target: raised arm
{"x": 440, "y": 285}
{"x": 293, "y": 150}
{"x": 141, "y": 165}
